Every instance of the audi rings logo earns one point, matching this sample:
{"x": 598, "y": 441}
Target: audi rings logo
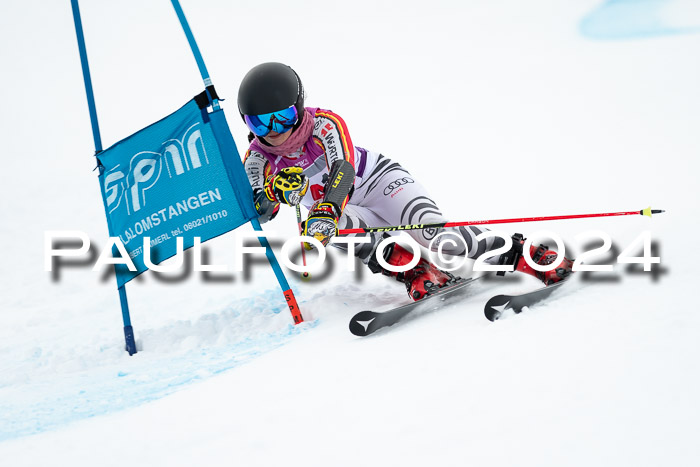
{"x": 396, "y": 184}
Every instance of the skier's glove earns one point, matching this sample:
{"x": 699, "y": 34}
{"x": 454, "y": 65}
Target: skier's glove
{"x": 322, "y": 223}
{"x": 288, "y": 186}
{"x": 267, "y": 210}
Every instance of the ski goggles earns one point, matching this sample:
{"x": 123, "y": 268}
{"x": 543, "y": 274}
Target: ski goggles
{"x": 280, "y": 121}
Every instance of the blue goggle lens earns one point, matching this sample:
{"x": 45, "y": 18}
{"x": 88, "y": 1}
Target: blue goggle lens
{"x": 280, "y": 121}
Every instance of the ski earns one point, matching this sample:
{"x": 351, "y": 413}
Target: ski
{"x": 367, "y": 322}
{"x": 495, "y": 307}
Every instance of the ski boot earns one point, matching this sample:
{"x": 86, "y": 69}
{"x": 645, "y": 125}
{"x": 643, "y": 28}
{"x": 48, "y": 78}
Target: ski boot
{"x": 424, "y": 279}
{"x": 541, "y": 255}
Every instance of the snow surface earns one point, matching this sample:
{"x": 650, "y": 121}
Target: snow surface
{"x": 504, "y": 109}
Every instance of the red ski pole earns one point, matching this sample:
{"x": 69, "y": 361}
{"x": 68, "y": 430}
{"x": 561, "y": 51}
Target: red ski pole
{"x": 305, "y": 275}
{"x": 644, "y": 212}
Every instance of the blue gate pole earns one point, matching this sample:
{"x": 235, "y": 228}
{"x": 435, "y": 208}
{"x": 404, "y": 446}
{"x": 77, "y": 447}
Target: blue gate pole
{"x": 128, "y": 330}
{"x": 286, "y": 289}
{"x": 209, "y": 86}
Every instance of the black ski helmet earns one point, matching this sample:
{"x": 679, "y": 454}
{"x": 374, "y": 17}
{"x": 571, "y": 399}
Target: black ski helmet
{"x": 270, "y": 87}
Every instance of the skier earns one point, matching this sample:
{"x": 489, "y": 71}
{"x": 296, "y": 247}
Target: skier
{"x": 304, "y": 155}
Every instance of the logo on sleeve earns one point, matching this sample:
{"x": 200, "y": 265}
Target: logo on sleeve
{"x": 326, "y": 129}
